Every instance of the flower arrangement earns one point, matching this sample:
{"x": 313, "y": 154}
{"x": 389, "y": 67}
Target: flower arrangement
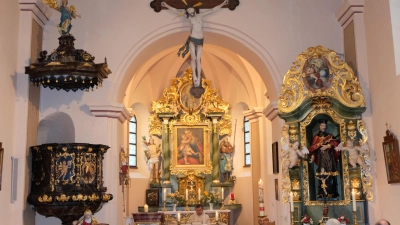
{"x": 176, "y": 198}
{"x": 343, "y": 220}
{"x": 211, "y": 197}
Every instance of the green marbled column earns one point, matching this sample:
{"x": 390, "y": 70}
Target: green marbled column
{"x": 166, "y": 154}
{"x": 215, "y": 152}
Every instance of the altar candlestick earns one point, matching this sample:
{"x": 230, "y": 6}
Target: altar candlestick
{"x": 222, "y": 194}
{"x": 199, "y": 194}
{"x": 216, "y": 216}
{"x": 179, "y": 217}
{"x": 187, "y": 194}
{"x": 232, "y": 196}
{"x": 164, "y": 194}
{"x": 353, "y": 195}
{"x": 146, "y": 208}
{"x": 291, "y": 202}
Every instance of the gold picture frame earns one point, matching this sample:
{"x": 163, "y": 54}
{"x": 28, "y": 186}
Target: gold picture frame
{"x": 1, "y": 162}
{"x": 191, "y": 149}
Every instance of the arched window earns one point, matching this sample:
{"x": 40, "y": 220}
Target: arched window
{"x": 246, "y": 130}
{"x": 133, "y": 142}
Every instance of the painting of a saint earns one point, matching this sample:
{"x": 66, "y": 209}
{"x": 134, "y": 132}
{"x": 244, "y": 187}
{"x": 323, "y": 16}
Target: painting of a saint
{"x": 391, "y": 163}
{"x": 65, "y": 167}
{"x": 188, "y": 101}
{"x": 190, "y": 146}
{"x": 88, "y": 169}
{"x": 317, "y": 74}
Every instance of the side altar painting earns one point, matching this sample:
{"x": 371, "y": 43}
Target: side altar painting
{"x": 325, "y": 152}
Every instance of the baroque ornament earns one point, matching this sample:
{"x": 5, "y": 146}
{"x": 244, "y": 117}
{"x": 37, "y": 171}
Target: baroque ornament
{"x": 335, "y": 79}
{"x": 187, "y": 110}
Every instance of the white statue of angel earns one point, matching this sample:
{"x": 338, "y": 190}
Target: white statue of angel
{"x": 294, "y": 152}
{"x": 354, "y": 157}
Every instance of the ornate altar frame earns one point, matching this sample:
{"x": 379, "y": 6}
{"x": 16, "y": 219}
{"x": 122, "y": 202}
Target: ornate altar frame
{"x": 341, "y": 99}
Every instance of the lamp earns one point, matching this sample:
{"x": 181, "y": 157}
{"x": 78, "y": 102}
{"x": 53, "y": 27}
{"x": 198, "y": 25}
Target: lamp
{"x": 67, "y": 68}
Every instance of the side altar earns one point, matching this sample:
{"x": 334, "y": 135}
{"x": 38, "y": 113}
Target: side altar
{"x": 326, "y": 165}
{"x": 193, "y": 163}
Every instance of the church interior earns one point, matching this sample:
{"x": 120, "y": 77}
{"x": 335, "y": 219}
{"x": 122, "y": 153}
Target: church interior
{"x": 276, "y": 112}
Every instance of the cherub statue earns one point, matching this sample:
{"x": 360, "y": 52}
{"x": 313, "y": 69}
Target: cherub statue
{"x": 67, "y": 13}
{"x": 354, "y": 157}
{"x": 294, "y": 152}
{"x": 87, "y": 219}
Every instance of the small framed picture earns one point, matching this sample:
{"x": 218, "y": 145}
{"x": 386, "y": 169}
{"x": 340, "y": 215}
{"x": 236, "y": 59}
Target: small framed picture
{"x": 275, "y": 157}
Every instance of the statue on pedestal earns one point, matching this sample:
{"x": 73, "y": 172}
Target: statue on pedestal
{"x": 67, "y": 13}
{"x": 153, "y": 154}
{"x": 324, "y": 155}
{"x": 226, "y": 163}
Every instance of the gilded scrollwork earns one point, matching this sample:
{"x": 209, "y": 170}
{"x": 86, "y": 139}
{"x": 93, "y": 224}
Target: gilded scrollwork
{"x": 45, "y": 198}
{"x": 366, "y": 173}
{"x": 79, "y": 197}
{"x": 177, "y": 101}
{"x": 63, "y": 198}
{"x": 340, "y": 83}
{"x": 286, "y": 185}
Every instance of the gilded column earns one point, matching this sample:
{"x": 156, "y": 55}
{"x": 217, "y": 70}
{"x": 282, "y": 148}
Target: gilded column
{"x": 215, "y": 147}
{"x": 166, "y": 151}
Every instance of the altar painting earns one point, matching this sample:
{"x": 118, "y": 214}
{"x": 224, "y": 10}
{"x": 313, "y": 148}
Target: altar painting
{"x": 191, "y": 148}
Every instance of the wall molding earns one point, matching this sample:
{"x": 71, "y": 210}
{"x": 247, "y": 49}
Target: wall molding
{"x": 253, "y": 114}
{"x": 348, "y": 9}
{"x": 110, "y": 110}
{"x": 39, "y": 10}
{"x": 271, "y": 111}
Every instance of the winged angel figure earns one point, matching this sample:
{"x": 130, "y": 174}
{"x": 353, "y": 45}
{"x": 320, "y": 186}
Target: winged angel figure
{"x": 67, "y": 13}
{"x": 293, "y": 151}
{"x": 354, "y": 157}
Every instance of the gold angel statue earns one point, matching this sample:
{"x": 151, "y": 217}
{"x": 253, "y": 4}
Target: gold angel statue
{"x": 67, "y": 13}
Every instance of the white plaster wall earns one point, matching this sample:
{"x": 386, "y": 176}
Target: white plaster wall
{"x": 9, "y": 19}
{"x": 119, "y": 30}
{"x": 384, "y": 94}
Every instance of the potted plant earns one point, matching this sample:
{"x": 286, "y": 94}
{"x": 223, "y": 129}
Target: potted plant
{"x": 176, "y": 199}
{"x": 211, "y": 198}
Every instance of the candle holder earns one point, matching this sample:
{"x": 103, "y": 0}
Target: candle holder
{"x": 355, "y": 217}
{"x": 187, "y": 206}
{"x": 165, "y": 206}
{"x": 292, "y": 217}
{"x": 262, "y": 219}
{"x": 232, "y": 201}
{"x": 222, "y": 206}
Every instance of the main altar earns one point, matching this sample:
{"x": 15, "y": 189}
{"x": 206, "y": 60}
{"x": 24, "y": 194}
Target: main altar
{"x": 194, "y": 162}
{"x": 326, "y": 166}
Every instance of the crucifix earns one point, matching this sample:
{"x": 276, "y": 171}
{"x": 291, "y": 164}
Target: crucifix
{"x": 194, "y": 43}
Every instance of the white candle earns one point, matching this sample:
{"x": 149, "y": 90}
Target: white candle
{"x": 261, "y": 207}
{"x": 216, "y": 216}
{"x": 146, "y": 208}
{"x": 260, "y": 190}
{"x": 199, "y": 194}
{"x": 222, "y": 194}
{"x": 291, "y": 202}
{"x": 179, "y": 217}
{"x": 353, "y": 195}
{"x": 187, "y": 194}
{"x": 164, "y": 194}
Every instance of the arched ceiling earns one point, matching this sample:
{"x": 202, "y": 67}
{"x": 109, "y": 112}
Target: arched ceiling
{"x": 235, "y": 78}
